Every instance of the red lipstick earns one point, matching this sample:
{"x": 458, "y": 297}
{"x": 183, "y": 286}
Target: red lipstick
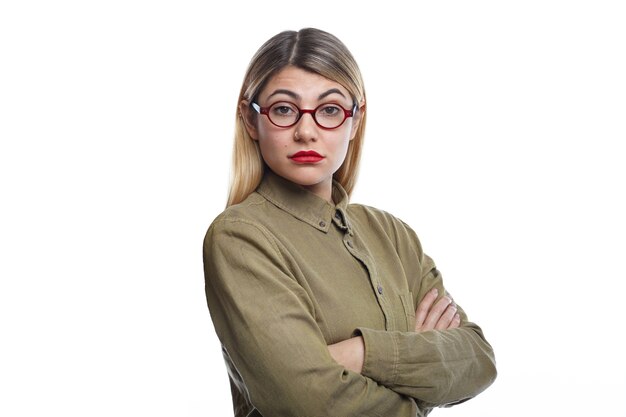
{"x": 306, "y": 157}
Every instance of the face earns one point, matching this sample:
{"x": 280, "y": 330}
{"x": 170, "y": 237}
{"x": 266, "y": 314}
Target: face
{"x": 304, "y": 153}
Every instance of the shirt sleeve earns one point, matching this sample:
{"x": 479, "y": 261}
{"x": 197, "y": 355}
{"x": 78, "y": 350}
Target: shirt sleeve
{"x": 266, "y": 323}
{"x": 437, "y": 368}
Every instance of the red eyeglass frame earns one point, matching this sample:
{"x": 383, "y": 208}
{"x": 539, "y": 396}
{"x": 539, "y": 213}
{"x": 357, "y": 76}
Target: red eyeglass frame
{"x": 301, "y": 112}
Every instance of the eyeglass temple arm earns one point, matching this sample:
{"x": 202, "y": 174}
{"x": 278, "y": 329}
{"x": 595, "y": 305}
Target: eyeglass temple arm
{"x": 256, "y": 107}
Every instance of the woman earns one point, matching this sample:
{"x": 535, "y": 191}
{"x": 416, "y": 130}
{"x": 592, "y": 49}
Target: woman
{"x": 325, "y": 308}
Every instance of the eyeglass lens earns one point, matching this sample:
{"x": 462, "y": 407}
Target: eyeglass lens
{"x": 286, "y": 114}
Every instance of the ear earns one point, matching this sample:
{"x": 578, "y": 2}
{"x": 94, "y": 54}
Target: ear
{"x": 356, "y": 119}
{"x": 249, "y": 117}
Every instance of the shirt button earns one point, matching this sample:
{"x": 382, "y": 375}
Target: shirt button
{"x": 349, "y": 243}
{"x": 380, "y": 289}
{"x": 337, "y": 215}
{"x": 322, "y": 224}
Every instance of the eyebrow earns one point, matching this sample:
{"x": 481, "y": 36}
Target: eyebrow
{"x": 329, "y": 92}
{"x": 297, "y": 96}
{"x": 286, "y": 92}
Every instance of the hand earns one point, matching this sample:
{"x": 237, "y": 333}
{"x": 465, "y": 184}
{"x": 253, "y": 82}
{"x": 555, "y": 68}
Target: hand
{"x": 430, "y": 314}
{"x": 436, "y": 315}
{"x": 349, "y": 353}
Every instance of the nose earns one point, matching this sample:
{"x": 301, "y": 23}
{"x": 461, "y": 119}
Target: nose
{"x": 306, "y": 128}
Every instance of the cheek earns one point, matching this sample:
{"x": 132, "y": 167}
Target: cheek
{"x": 272, "y": 147}
{"x": 342, "y": 145}
{"x": 266, "y": 148}
{"x": 273, "y": 137}
{"x": 340, "y": 150}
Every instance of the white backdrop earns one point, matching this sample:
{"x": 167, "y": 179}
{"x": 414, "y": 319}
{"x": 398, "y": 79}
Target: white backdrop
{"x": 500, "y": 124}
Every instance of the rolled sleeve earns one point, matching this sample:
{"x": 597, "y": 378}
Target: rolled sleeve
{"x": 381, "y": 355}
{"x": 437, "y": 368}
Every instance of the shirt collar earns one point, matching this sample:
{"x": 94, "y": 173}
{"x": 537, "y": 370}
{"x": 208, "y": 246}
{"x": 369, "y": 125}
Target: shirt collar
{"x": 301, "y": 203}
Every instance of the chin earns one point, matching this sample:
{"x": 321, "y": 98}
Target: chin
{"x": 306, "y": 180}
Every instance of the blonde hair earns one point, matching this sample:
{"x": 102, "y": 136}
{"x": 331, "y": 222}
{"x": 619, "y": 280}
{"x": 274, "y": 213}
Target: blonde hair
{"x": 312, "y": 50}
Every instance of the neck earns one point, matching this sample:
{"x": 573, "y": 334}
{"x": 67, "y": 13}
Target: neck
{"x": 323, "y": 190}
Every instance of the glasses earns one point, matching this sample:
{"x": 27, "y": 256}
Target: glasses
{"x": 287, "y": 114}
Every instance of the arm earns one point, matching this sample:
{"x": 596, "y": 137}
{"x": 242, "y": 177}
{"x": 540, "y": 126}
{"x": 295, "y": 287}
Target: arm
{"x": 437, "y": 367}
{"x": 267, "y": 325}
{"x": 431, "y": 314}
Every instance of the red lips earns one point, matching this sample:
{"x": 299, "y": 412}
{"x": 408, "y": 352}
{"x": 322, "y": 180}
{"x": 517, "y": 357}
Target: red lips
{"x": 306, "y": 157}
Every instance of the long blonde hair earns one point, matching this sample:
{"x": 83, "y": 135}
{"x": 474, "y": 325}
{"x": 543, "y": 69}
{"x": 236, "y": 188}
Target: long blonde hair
{"x": 312, "y": 50}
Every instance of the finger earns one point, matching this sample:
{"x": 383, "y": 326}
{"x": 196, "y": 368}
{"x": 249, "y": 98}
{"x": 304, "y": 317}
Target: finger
{"x": 436, "y": 312}
{"x": 424, "y": 307}
{"x": 446, "y": 318}
{"x": 456, "y": 321}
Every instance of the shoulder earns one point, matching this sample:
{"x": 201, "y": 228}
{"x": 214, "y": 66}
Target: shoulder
{"x": 243, "y": 219}
{"x": 239, "y": 239}
{"x": 375, "y": 216}
{"x": 383, "y": 223}
{"x": 249, "y": 211}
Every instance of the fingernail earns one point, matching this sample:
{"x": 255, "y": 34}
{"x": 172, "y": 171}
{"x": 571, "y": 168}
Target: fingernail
{"x": 435, "y": 291}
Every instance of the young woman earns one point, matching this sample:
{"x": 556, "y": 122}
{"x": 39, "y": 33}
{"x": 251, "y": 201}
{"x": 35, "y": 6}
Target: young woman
{"x": 325, "y": 308}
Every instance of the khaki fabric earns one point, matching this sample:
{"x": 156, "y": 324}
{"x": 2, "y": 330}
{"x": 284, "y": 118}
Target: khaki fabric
{"x": 287, "y": 273}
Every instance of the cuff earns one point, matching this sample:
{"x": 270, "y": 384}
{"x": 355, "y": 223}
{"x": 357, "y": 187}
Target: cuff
{"x": 381, "y": 355}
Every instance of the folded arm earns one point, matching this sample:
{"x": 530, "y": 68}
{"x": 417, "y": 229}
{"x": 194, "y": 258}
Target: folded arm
{"x": 431, "y": 314}
{"x": 445, "y": 361}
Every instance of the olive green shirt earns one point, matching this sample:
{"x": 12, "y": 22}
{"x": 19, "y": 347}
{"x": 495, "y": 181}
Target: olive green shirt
{"x": 288, "y": 273}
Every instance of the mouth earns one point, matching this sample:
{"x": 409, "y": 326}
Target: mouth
{"x": 306, "y": 157}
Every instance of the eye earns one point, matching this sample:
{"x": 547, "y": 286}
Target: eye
{"x": 329, "y": 110}
{"x": 284, "y": 110}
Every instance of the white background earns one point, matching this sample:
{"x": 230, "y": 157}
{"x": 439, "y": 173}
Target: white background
{"x": 496, "y": 131}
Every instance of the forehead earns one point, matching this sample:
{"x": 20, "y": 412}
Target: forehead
{"x": 304, "y": 83}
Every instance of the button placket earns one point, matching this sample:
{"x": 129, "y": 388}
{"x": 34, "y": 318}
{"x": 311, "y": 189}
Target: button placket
{"x": 374, "y": 279}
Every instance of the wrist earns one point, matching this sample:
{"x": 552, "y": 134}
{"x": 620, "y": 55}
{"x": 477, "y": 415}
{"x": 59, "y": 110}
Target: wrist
{"x": 349, "y": 353}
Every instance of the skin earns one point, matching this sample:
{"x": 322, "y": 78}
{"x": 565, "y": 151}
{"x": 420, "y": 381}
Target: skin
{"x": 308, "y": 90}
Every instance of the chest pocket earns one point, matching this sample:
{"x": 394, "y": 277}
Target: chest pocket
{"x": 409, "y": 311}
